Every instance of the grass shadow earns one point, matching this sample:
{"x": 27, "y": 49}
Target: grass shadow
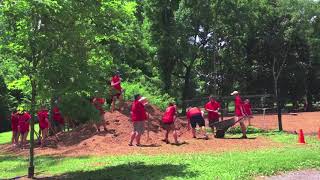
{"x": 132, "y": 171}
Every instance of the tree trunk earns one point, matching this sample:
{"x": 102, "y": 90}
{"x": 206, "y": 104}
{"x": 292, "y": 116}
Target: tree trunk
{"x": 31, "y": 152}
{"x": 185, "y": 94}
{"x": 167, "y": 83}
{"x": 276, "y": 91}
{"x": 51, "y": 115}
{"x": 309, "y": 98}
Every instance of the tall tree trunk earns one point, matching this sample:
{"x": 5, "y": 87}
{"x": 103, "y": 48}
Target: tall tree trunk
{"x": 31, "y": 152}
{"x": 308, "y": 89}
{"x": 186, "y": 89}
{"x": 276, "y": 91}
{"x": 167, "y": 82}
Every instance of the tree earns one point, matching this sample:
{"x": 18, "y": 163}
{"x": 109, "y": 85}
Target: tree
{"x": 163, "y": 29}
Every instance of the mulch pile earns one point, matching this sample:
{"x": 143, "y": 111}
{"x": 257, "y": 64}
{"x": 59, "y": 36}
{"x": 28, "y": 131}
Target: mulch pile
{"x": 84, "y": 140}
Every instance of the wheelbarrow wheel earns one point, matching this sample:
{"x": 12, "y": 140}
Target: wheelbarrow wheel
{"x": 220, "y": 133}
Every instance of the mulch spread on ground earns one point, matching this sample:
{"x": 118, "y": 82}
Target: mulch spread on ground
{"x": 84, "y": 140}
{"x": 309, "y": 122}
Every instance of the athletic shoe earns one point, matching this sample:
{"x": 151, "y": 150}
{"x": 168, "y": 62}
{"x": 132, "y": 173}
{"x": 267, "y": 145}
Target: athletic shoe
{"x": 206, "y": 137}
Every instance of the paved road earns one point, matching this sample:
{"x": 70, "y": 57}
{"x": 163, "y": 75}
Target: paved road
{"x": 296, "y": 175}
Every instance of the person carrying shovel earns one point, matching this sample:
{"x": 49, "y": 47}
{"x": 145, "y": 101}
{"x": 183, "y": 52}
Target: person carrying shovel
{"x": 138, "y": 117}
{"x": 168, "y": 120}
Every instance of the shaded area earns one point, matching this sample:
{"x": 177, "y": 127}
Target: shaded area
{"x": 132, "y": 171}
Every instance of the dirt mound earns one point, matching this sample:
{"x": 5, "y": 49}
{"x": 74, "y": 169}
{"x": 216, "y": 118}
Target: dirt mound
{"x": 84, "y": 140}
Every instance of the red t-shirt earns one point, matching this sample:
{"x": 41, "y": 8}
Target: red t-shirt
{"x": 212, "y": 106}
{"x": 98, "y": 103}
{"x": 193, "y": 111}
{"x": 116, "y": 79}
{"x": 138, "y": 113}
{"x": 247, "y": 108}
{"x": 168, "y": 116}
{"x": 43, "y": 119}
{"x": 238, "y": 105}
{"x": 57, "y": 115}
{"x": 14, "y": 121}
{"x": 24, "y": 122}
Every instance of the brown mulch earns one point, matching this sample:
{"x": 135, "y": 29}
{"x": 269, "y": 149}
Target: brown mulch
{"x": 84, "y": 140}
{"x": 309, "y": 122}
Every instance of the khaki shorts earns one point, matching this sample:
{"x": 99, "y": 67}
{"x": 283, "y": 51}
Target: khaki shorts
{"x": 138, "y": 126}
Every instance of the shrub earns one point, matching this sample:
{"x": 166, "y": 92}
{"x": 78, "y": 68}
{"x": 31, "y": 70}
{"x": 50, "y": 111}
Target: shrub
{"x": 146, "y": 89}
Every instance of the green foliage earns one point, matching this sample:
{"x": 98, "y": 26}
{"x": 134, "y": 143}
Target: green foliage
{"x": 250, "y": 130}
{"x": 4, "y": 106}
{"x": 78, "y": 108}
{"x": 68, "y": 49}
{"x": 147, "y": 89}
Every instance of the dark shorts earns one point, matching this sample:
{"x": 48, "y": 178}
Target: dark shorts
{"x": 116, "y": 93}
{"x": 212, "y": 122}
{"x": 168, "y": 126}
{"x": 197, "y": 119}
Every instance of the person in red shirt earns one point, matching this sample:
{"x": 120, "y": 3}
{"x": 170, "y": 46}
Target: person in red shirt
{"x": 247, "y": 110}
{"x": 138, "y": 117}
{"x": 239, "y": 112}
{"x": 195, "y": 116}
{"x": 14, "y": 127}
{"x": 212, "y": 107}
{"x": 44, "y": 124}
{"x": 168, "y": 120}
{"x": 23, "y": 126}
{"x": 58, "y": 119}
{"x": 116, "y": 90}
{"x": 98, "y": 103}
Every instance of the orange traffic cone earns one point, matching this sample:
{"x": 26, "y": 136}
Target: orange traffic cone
{"x": 301, "y": 137}
{"x": 319, "y": 134}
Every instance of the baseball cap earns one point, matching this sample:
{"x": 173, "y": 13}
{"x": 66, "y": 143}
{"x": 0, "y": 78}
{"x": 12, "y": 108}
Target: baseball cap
{"x": 234, "y": 93}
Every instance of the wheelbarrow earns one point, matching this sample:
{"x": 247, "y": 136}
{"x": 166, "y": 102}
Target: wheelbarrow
{"x": 223, "y": 126}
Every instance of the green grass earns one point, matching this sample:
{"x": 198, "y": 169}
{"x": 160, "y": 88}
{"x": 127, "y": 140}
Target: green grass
{"x": 229, "y": 165}
{"x": 6, "y": 136}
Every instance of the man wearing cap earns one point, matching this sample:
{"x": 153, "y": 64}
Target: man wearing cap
{"x": 239, "y": 112}
{"x": 212, "y": 107}
{"x": 138, "y": 117}
{"x": 116, "y": 91}
{"x": 195, "y": 116}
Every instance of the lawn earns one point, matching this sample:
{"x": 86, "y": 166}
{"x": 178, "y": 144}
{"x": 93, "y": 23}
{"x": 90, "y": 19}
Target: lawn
{"x": 6, "y": 136}
{"x": 228, "y": 165}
